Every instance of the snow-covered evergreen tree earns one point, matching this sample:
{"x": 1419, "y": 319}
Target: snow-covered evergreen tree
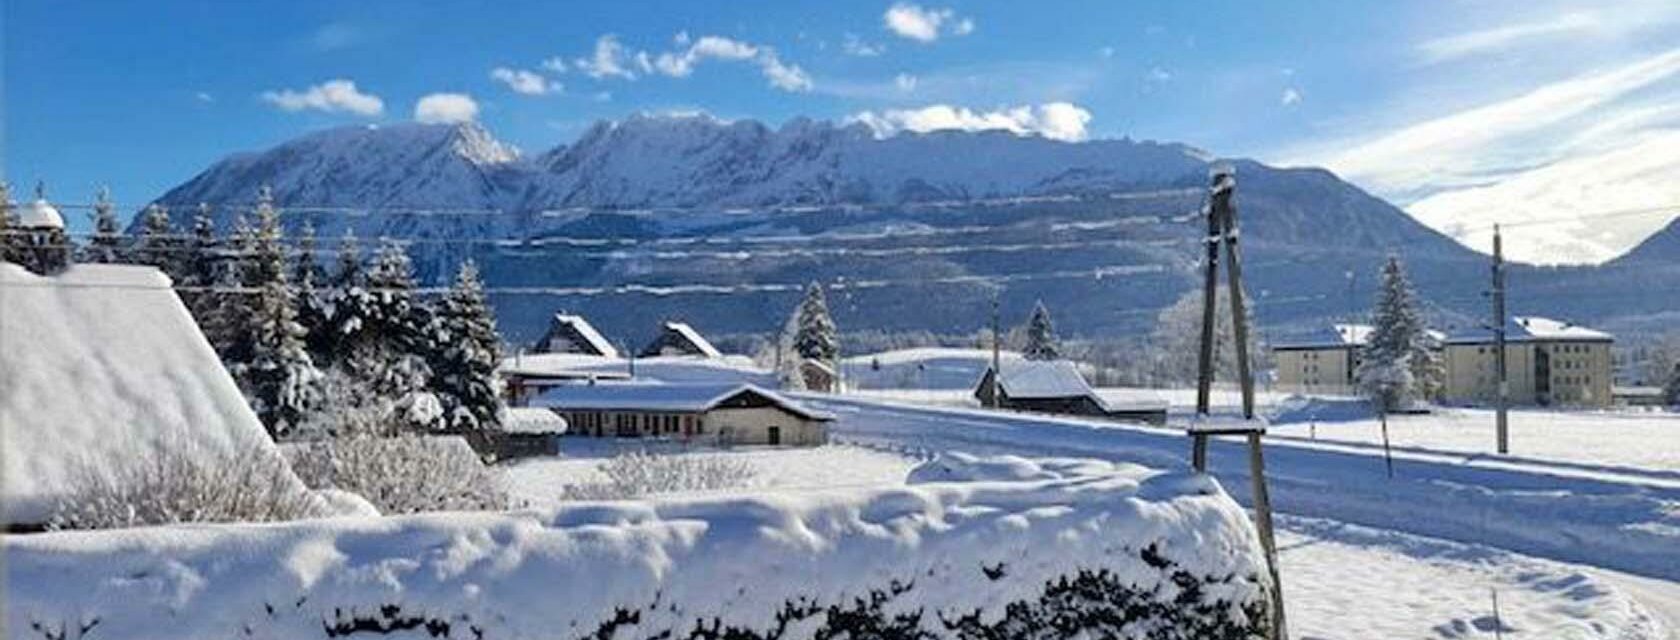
{"x": 158, "y": 245}
{"x": 1042, "y": 343}
{"x": 105, "y": 245}
{"x": 201, "y": 269}
{"x": 385, "y": 336}
{"x": 1399, "y": 364}
{"x": 307, "y": 276}
{"x": 279, "y": 376}
{"x": 9, "y": 251}
{"x": 465, "y": 369}
{"x": 816, "y": 336}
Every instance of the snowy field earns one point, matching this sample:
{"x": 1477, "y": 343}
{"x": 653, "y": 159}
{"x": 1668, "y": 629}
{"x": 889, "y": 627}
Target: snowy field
{"x": 540, "y": 482}
{"x": 1629, "y": 441}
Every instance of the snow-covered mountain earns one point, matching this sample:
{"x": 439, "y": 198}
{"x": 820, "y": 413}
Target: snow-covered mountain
{"x": 915, "y": 216}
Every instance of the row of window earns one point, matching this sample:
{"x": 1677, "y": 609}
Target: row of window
{"x": 599, "y": 423}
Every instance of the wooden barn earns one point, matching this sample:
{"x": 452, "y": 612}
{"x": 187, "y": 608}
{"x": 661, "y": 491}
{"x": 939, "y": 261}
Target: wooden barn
{"x": 1056, "y": 386}
{"x": 679, "y": 339}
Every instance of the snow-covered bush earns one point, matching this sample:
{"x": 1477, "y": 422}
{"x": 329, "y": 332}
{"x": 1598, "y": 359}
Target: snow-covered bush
{"x": 1099, "y": 553}
{"x": 637, "y": 474}
{"x": 185, "y": 483}
{"x": 401, "y": 474}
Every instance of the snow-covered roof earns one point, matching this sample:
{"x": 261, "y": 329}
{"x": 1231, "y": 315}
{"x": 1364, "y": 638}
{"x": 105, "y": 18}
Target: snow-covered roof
{"x": 1531, "y": 329}
{"x": 100, "y": 366}
{"x": 587, "y": 332}
{"x": 693, "y": 337}
{"x": 39, "y": 214}
{"x": 632, "y": 396}
{"x": 1043, "y": 379}
{"x": 563, "y": 365}
{"x": 533, "y": 420}
{"x": 1335, "y": 336}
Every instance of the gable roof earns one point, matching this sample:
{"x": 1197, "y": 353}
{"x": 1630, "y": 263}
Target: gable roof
{"x": 585, "y": 332}
{"x": 683, "y": 334}
{"x": 103, "y": 365}
{"x": 630, "y": 396}
{"x": 1530, "y": 329}
{"x": 1041, "y": 379}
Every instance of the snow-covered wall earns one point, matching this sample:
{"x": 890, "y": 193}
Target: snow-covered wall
{"x": 992, "y": 549}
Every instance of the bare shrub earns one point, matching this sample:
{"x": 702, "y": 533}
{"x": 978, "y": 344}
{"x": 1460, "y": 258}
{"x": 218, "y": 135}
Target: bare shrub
{"x": 639, "y": 473}
{"x": 185, "y": 483}
{"x": 401, "y": 474}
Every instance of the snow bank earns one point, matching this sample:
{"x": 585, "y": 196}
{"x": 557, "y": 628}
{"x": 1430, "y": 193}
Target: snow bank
{"x": 102, "y": 364}
{"x": 933, "y": 560}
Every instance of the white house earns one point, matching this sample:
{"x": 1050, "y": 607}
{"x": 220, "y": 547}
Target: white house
{"x": 720, "y": 413}
{"x": 101, "y": 366}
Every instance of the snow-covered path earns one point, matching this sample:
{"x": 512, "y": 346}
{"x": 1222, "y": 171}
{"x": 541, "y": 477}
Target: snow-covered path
{"x": 1468, "y": 512}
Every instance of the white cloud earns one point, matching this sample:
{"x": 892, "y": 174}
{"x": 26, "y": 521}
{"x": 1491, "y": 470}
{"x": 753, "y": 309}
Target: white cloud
{"x": 330, "y": 96}
{"x": 555, "y": 64}
{"x": 680, "y": 64}
{"x": 525, "y": 82}
{"x": 855, "y": 46}
{"x": 905, "y": 82}
{"x": 609, "y": 60}
{"x": 1502, "y": 37}
{"x": 1291, "y": 97}
{"x": 204, "y": 97}
{"x": 781, "y": 75}
{"x": 1106, "y": 52}
{"x": 1055, "y": 120}
{"x": 1158, "y": 74}
{"x": 446, "y": 108}
{"x": 914, "y": 22}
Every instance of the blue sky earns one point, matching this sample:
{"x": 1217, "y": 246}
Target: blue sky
{"x": 1452, "y": 108}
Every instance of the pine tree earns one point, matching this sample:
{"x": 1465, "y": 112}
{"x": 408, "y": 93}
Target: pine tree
{"x": 387, "y": 340}
{"x": 158, "y": 245}
{"x": 465, "y": 369}
{"x": 200, "y": 268}
{"x": 105, "y": 246}
{"x": 816, "y": 337}
{"x": 1398, "y": 365}
{"x": 349, "y": 306}
{"x": 278, "y": 375}
{"x": 1042, "y": 343}
{"x": 311, "y": 303}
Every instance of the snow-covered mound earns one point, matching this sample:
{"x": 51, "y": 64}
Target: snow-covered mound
{"x": 940, "y": 560}
{"x": 99, "y": 366}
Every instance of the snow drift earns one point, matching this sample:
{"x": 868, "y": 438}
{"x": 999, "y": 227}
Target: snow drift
{"x": 1064, "y": 554}
{"x": 102, "y": 365}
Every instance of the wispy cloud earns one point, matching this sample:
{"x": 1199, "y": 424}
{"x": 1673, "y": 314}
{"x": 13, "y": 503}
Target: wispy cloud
{"x": 780, "y": 74}
{"x": 332, "y": 96}
{"x": 440, "y": 108}
{"x": 1476, "y": 146}
{"x": 334, "y": 36}
{"x": 855, "y": 46}
{"x": 905, "y": 82}
{"x": 525, "y": 82}
{"x": 913, "y": 22}
{"x": 1291, "y": 97}
{"x": 1056, "y": 120}
{"x": 1504, "y": 36}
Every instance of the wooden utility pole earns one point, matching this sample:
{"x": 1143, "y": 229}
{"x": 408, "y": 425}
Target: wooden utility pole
{"x": 1222, "y": 230}
{"x": 1502, "y": 426}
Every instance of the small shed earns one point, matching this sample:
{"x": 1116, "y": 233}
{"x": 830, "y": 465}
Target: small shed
{"x": 717, "y": 413}
{"x": 679, "y": 339}
{"x": 530, "y": 431}
{"x": 1056, "y": 386}
{"x": 569, "y": 333}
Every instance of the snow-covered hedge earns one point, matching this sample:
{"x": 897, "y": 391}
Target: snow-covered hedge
{"x": 1075, "y": 551}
